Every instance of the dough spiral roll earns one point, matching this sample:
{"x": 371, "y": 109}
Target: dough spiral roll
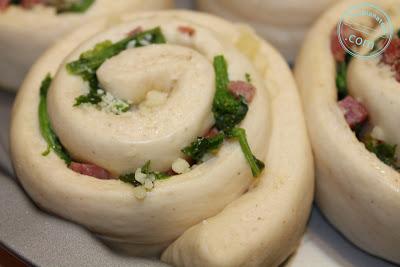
{"x": 357, "y": 191}
{"x": 283, "y": 23}
{"x": 194, "y": 216}
{"x": 25, "y": 33}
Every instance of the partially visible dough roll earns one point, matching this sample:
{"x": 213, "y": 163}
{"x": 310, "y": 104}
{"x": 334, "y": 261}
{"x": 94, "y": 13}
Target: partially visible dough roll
{"x": 25, "y": 33}
{"x": 214, "y": 213}
{"x": 352, "y": 109}
{"x": 283, "y": 23}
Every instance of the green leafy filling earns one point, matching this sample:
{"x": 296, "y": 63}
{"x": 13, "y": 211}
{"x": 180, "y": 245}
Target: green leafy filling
{"x": 64, "y": 6}
{"x": 130, "y": 177}
{"x": 256, "y": 165}
{"x": 384, "y": 151}
{"x": 45, "y": 126}
{"x": 89, "y": 61}
{"x": 77, "y": 7}
{"x": 203, "y": 145}
{"x": 228, "y": 112}
{"x": 341, "y": 77}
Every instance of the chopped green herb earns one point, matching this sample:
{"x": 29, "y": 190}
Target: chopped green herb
{"x": 203, "y": 145}
{"x": 130, "y": 177}
{"x": 256, "y": 165}
{"x": 398, "y": 33}
{"x": 385, "y": 152}
{"x": 89, "y": 61}
{"x": 79, "y": 6}
{"x": 341, "y": 80}
{"x": 248, "y": 77}
{"x": 147, "y": 170}
{"x": 62, "y": 6}
{"x": 45, "y": 127}
{"x": 228, "y": 110}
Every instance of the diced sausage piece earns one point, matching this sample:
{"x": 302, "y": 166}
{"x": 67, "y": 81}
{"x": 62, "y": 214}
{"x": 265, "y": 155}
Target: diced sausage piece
{"x": 354, "y": 112}
{"x": 336, "y": 49}
{"x": 30, "y": 3}
{"x": 90, "y": 170}
{"x": 211, "y": 133}
{"x": 4, "y": 4}
{"x": 187, "y": 30}
{"x": 241, "y": 88}
{"x": 135, "y": 31}
{"x": 392, "y": 53}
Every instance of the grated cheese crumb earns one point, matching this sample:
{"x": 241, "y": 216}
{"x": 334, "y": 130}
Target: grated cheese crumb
{"x": 378, "y": 133}
{"x": 139, "y": 176}
{"x": 180, "y": 166}
{"x": 148, "y": 184}
{"x": 140, "y": 192}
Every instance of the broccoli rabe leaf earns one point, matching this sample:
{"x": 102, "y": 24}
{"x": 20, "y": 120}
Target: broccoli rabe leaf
{"x": 203, "y": 145}
{"x": 89, "y": 61}
{"x": 45, "y": 126}
{"x": 256, "y": 165}
{"x": 79, "y": 6}
{"x": 341, "y": 77}
{"x": 384, "y": 151}
{"x": 130, "y": 179}
{"x": 341, "y": 80}
{"x": 228, "y": 110}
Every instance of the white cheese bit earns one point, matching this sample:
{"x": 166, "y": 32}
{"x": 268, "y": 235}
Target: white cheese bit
{"x": 131, "y": 44}
{"x": 180, "y": 166}
{"x": 139, "y": 176}
{"x": 378, "y": 133}
{"x": 140, "y": 192}
{"x": 144, "y": 42}
{"x": 148, "y": 37}
{"x": 148, "y": 184}
{"x": 111, "y": 104}
{"x": 151, "y": 177}
{"x": 155, "y": 98}
{"x": 147, "y": 180}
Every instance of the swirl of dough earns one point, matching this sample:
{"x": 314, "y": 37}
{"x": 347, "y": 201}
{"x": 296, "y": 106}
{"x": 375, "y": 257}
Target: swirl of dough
{"x": 357, "y": 191}
{"x": 209, "y": 205}
{"x": 26, "y": 33}
{"x": 283, "y": 23}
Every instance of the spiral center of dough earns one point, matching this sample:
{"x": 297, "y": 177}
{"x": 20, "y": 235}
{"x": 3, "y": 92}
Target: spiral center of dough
{"x": 134, "y": 72}
{"x": 122, "y": 143}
